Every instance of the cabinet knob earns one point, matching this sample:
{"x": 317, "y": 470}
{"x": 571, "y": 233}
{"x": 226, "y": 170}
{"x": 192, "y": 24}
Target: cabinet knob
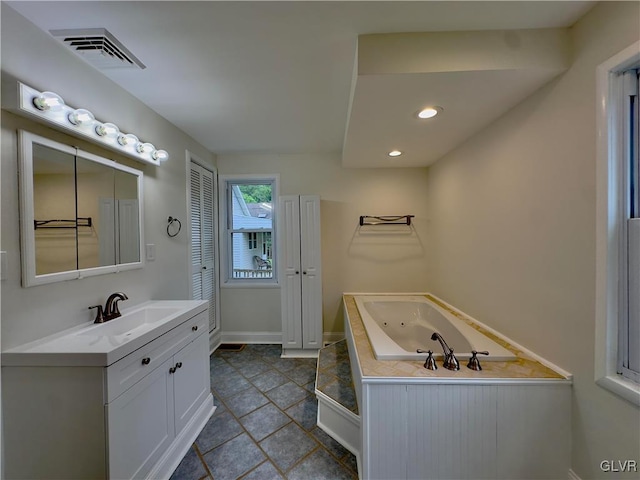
{"x": 304, "y": 273}
{"x": 204, "y": 267}
{"x": 179, "y": 365}
{"x": 194, "y": 328}
{"x": 172, "y": 370}
{"x": 146, "y": 361}
{"x": 297, "y": 272}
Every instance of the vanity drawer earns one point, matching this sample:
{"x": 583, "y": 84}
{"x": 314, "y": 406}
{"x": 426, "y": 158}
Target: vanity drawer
{"x": 127, "y": 371}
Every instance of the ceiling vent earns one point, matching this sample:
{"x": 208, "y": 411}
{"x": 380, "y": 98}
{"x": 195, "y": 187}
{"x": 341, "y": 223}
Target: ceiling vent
{"x": 98, "y": 47}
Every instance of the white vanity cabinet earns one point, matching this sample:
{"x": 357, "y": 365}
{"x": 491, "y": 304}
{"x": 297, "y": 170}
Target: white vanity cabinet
{"x": 134, "y": 418}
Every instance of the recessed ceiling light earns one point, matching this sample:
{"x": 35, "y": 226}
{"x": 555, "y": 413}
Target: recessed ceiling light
{"x": 429, "y": 112}
{"x": 394, "y": 153}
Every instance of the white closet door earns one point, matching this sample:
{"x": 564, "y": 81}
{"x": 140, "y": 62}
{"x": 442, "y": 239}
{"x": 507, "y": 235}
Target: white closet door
{"x": 203, "y": 239}
{"x": 291, "y": 289}
{"x": 311, "y": 271}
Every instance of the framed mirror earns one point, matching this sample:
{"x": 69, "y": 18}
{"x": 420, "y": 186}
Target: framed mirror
{"x": 80, "y": 214}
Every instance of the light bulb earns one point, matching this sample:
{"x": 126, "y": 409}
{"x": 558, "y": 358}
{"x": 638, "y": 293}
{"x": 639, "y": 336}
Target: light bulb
{"x": 429, "y": 112}
{"x": 394, "y": 153}
{"x": 48, "y": 101}
{"x": 161, "y": 155}
{"x": 128, "y": 140}
{"x": 81, "y": 117}
{"x": 145, "y": 148}
{"x": 107, "y": 130}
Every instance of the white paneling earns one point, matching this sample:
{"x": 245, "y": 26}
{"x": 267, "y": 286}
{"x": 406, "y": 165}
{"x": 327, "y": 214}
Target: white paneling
{"x": 452, "y": 433}
{"x": 387, "y": 437}
{"x": 311, "y": 263}
{"x": 534, "y": 423}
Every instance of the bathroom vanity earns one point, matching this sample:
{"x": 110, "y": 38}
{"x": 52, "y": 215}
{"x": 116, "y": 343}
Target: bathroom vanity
{"x": 123, "y": 399}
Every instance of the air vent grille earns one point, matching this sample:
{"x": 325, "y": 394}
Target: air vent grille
{"x": 98, "y": 47}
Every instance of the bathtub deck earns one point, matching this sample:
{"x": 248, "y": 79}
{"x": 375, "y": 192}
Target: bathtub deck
{"x": 524, "y": 368}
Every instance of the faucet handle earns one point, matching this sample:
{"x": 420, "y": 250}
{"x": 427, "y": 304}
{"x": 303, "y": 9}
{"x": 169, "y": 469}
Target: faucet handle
{"x": 99, "y": 315}
{"x": 430, "y": 362}
{"x": 474, "y": 362}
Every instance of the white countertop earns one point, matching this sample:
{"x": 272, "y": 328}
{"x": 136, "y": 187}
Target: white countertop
{"x": 100, "y": 345}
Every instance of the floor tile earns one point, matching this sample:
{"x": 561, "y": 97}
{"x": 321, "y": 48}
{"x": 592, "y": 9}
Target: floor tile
{"x": 264, "y": 421}
{"x": 265, "y": 471}
{"x": 284, "y": 364}
{"x": 351, "y": 462}
{"x": 246, "y": 401}
{"x": 234, "y": 458}
{"x": 229, "y": 386}
{"x": 190, "y": 468}
{"x": 268, "y": 380}
{"x": 286, "y": 395}
{"x": 218, "y": 430}
{"x": 305, "y": 413}
{"x": 302, "y": 374}
{"x": 287, "y": 446}
{"x": 251, "y": 369}
{"x": 329, "y": 443}
{"x": 320, "y": 466}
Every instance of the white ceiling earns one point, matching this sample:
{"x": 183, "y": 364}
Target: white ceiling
{"x": 272, "y": 77}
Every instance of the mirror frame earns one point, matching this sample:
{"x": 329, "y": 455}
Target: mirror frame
{"x": 27, "y": 231}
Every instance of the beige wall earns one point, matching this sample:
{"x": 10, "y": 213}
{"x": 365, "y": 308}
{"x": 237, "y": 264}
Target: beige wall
{"x": 351, "y": 260}
{"x": 512, "y": 217}
{"x": 38, "y": 60}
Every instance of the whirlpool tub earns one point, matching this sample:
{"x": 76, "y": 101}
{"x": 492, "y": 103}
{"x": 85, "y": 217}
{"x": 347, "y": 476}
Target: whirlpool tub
{"x": 398, "y": 325}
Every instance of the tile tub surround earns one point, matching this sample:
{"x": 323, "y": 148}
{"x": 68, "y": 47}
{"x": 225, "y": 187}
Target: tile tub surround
{"x": 524, "y": 367}
{"x": 265, "y": 423}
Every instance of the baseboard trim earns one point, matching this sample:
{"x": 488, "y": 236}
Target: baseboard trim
{"x": 332, "y": 337}
{"x": 573, "y": 475}
{"x": 251, "y": 337}
{"x": 269, "y": 337}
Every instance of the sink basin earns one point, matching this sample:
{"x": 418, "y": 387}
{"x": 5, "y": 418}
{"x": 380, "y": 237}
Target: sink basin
{"x": 130, "y": 323}
{"x": 101, "y": 344}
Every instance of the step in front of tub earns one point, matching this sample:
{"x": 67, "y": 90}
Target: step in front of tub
{"x": 337, "y": 403}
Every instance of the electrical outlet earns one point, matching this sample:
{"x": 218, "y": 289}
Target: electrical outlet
{"x": 150, "y": 252}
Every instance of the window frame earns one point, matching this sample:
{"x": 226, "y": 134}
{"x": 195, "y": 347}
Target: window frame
{"x": 226, "y": 228}
{"x": 612, "y": 211}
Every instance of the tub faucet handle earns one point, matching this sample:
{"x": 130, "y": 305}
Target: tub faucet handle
{"x": 430, "y": 362}
{"x": 474, "y": 362}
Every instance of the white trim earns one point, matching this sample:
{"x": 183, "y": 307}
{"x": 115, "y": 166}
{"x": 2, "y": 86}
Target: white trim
{"x": 338, "y": 422}
{"x": 608, "y": 214}
{"x": 299, "y": 353}
{"x": 27, "y": 234}
{"x": 332, "y": 337}
{"x": 252, "y": 337}
{"x": 225, "y": 249}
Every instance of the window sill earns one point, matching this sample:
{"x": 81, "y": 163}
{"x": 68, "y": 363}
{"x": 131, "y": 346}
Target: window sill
{"x": 250, "y": 285}
{"x": 622, "y": 387}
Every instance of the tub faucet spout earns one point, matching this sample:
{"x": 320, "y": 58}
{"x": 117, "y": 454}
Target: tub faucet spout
{"x": 450, "y": 360}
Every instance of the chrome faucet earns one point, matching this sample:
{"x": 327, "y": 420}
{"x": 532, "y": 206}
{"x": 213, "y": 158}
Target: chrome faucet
{"x": 111, "y": 310}
{"x": 450, "y": 360}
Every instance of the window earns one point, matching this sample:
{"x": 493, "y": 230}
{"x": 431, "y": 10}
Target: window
{"x": 617, "y": 365}
{"x": 629, "y": 332}
{"x": 249, "y": 226}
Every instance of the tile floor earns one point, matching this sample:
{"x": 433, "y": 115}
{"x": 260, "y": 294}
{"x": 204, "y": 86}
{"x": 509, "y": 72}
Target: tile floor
{"x": 265, "y": 425}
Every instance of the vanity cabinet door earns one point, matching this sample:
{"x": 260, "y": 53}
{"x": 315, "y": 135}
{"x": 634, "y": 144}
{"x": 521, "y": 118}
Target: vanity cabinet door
{"x": 140, "y": 424}
{"x": 191, "y": 382}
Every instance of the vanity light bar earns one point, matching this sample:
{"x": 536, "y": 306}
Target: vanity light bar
{"x": 48, "y": 107}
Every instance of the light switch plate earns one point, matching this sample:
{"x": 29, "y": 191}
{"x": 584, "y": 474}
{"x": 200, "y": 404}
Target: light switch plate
{"x": 150, "y": 252}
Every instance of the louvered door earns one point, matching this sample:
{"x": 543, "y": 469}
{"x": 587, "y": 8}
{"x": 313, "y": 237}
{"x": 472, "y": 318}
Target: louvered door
{"x": 203, "y": 250}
